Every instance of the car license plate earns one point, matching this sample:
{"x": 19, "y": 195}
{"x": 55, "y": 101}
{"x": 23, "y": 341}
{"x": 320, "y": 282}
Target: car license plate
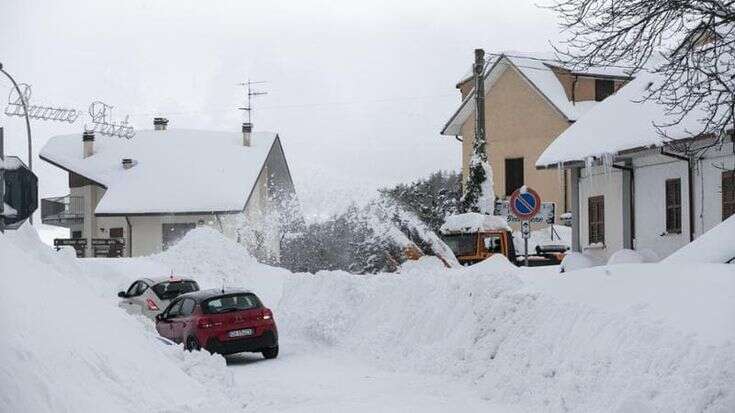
{"x": 241, "y": 333}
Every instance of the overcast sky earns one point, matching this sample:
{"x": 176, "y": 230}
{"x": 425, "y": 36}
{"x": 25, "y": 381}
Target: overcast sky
{"x": 358, "y": 90}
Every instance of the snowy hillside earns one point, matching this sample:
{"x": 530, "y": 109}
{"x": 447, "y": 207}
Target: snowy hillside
{"x": 633, "y": 337}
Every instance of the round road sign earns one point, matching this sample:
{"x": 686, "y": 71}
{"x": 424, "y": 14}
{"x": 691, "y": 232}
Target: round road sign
{"x": 525, "y": 203}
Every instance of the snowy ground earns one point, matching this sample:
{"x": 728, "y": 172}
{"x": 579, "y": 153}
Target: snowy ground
{"x": 625, "y": 338}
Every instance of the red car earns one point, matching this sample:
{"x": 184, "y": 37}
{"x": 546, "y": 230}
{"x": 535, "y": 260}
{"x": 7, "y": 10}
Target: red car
{"x": 220, "y": 321}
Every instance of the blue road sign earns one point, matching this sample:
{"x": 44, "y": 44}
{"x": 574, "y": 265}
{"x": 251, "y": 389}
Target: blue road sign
{"x": 525, "y": 203}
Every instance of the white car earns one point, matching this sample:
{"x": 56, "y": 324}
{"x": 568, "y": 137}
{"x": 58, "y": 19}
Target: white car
{"x": 150, "y": 296}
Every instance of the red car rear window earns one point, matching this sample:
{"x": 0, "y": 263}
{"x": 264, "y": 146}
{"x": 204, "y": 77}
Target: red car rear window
{"x": 231, "y": 302}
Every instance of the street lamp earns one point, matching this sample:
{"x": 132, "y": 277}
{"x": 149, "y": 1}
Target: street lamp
{"x": 28, "y": 123}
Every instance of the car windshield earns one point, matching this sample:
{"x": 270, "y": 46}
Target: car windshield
{"x": 169, "y": 290}
{"x": 232, "y": 302}
{"x": 461, "y": 244}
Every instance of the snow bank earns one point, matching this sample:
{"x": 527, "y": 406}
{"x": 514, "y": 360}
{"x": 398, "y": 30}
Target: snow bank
{"x": 716, "y": 245}
{"x": 473, "y": 222}
{"x": 626, "y": 256}
{"x": 576, "y": 261}
{"x": 524, "y": 346}
{"x": 65, "y": 348}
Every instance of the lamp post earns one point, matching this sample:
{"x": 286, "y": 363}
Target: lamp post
{"x": 28, "y": 123}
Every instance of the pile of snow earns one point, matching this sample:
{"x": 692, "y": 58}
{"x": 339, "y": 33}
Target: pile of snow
{"x": 716, "y": 246}
{"x": 526, "y": 346}
{"x": 576, "y": 261}
{"x": 65, "y": 348}
{"x": 471, "y": 222}
{"x": 626, "y": 256}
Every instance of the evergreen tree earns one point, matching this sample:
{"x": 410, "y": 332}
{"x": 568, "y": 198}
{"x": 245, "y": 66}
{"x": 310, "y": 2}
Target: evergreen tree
{"x": 478, "y": 193}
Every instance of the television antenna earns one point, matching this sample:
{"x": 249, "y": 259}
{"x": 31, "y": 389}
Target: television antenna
{"x": 250, "y": 94}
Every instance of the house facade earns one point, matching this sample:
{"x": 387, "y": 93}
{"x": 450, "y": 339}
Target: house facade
{"x": 637, "y": 187}
{"x": 139, "y": 197}
{"x": 529, "y": 101}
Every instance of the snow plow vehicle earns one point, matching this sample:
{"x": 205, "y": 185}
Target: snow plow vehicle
{"x": 471, "y": 248}
{"x": 474, "y": 237}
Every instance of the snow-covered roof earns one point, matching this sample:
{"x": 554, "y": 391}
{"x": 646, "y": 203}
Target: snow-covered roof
{"x": 176, "y": 170}
{"x": 620, "y": 122}
{"x": 537, "y": 69}
{"x": 471, "y": 222}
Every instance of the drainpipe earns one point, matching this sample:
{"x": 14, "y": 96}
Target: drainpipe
{"x": 574, "y": 178}
{"x": 690, "y": 187}
{"x": 130, "y": 237}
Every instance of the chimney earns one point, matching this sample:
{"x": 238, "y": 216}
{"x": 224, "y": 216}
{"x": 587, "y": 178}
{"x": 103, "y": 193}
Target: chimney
{"x": 160, "y": 123}
{"x": 128, "y": 163}
{"x": 247, "y": 129}
{"x": 88, "y": 143}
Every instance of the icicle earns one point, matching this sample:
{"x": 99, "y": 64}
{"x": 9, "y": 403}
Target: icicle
{"x": 607, "y": 163}
{"x": 560, "y": 169}
{"x": 588, "y": 165}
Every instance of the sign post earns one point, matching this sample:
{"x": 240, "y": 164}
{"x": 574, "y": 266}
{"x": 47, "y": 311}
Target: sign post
{"x": 525, "y": 203}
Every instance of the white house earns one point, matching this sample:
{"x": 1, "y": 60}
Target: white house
{"x": 145, "y": 193}
{"x": 633, "y": 187}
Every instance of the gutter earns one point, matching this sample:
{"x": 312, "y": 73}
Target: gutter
{"x": 690, "y": 187}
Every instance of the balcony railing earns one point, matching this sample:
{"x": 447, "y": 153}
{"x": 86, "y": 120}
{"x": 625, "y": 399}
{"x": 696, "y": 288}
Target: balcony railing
{"x": 63, "y": 210}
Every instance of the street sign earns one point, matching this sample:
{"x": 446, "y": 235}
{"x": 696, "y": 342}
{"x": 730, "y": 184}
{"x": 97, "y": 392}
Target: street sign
{"x": 21, "y": 191}
{"x": 525, "y": 203}
{"x": 525, "y": 230}
{"x": 73, "y": 242}
{"x": 546, "y": 214}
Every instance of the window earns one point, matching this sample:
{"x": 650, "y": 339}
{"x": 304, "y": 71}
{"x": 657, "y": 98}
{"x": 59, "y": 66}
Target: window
{"x": 187, "y": 307}
{"x": 603, "y": 89}
{"x": 137, "y": 289}
{"x": 673, "y": 206}
{"x": 461, "y": 244}
{"x": 728, "y": 194}
{"x": 174, "y": 310}
{"x": 76, "y": 234}
{"x": 513, "y": 175}
{"x": 596, "y": 211}
{"x": 493, "y": 244}
{"x": 116, "y": 232}
{"x": 227, "y": 303}
{"x": 168, "y": 290}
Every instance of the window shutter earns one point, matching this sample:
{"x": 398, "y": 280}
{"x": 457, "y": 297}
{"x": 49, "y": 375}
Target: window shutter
{"x": 728, "y": 194}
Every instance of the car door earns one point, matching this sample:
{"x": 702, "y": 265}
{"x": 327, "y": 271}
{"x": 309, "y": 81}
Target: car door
{"x": 138, "y": 300}
{"x": 128, "y": 302}
{"x": 180, "y": 325}
{"x": 170, "y": 320}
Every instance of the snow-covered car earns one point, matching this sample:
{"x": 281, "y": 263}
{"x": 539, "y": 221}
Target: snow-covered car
{"x": 149, "y": 296}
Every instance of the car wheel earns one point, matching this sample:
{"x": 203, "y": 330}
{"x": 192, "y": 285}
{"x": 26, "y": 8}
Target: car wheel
{"x": 271, "y": 353}
{"x": 192, "y": 344}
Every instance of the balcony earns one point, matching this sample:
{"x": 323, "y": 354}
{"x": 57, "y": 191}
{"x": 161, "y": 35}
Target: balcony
{"x": 63, "y": 211}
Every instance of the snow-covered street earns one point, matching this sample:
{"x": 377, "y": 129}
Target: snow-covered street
{"x": 309, "y": 378}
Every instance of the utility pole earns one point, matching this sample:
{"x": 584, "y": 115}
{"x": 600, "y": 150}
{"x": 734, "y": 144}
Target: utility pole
{"x": 250, "y": 94}
{"x": 28, "y": 128}
{"x": 2, "y": 182}
{"x": 479, "y": 72}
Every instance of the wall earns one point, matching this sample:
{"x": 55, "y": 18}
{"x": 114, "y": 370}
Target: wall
{"x": 651, "y": 174}
{"x": 610, "y": 185}
{"x": 520, "y": 123}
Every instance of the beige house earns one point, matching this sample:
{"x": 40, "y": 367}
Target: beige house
{"x": 530, "y": 99}
{"x": 140, "y": 196}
